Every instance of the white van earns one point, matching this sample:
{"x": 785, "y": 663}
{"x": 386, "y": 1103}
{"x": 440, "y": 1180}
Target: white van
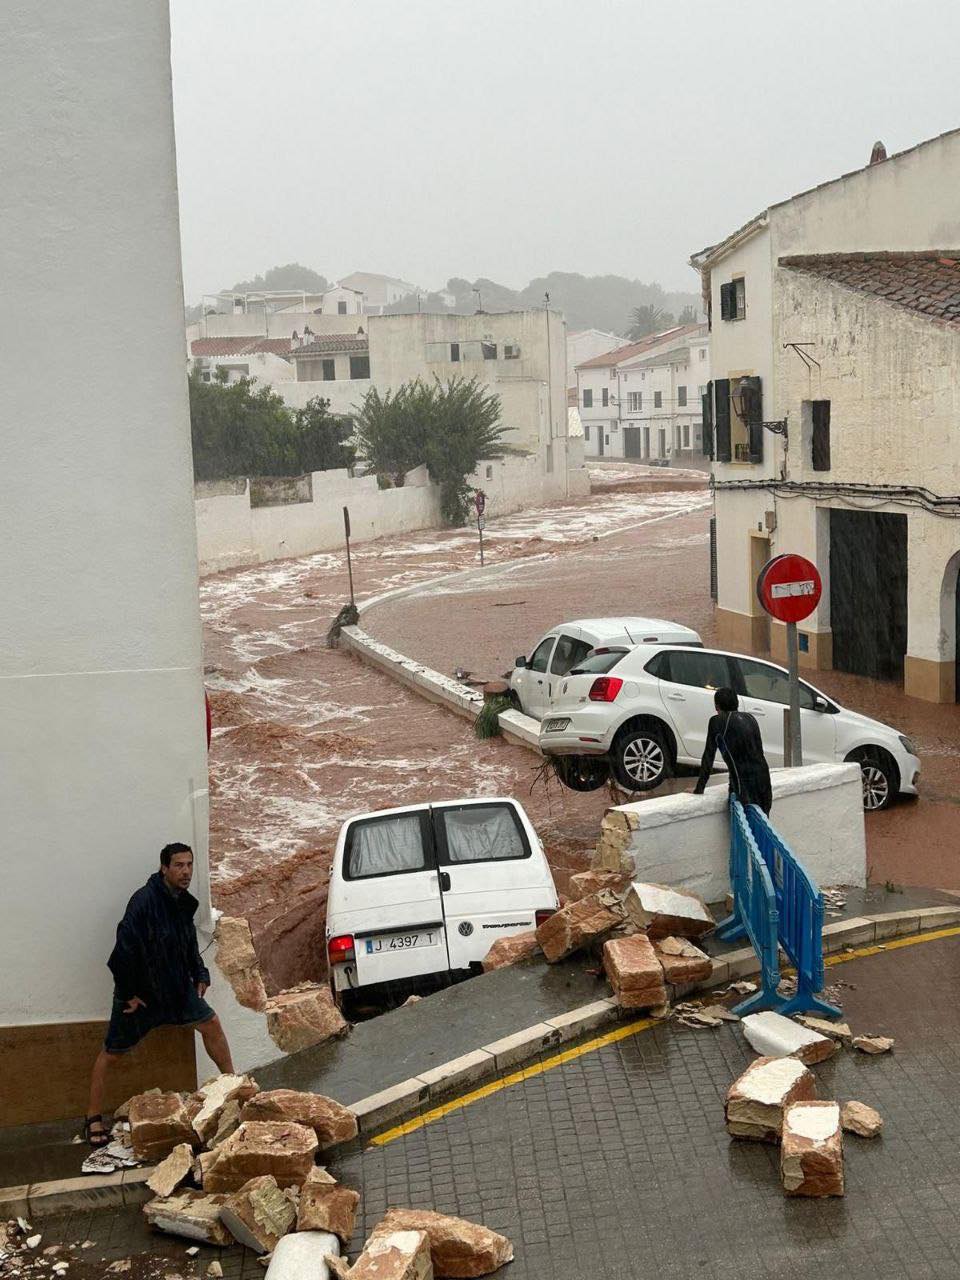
{"x": 426, "y": 890}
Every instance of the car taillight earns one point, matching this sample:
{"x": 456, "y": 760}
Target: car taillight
{"x": 605, "y": 689}
{"x": 542, "y": 917}
{"x": 341, "y": 948}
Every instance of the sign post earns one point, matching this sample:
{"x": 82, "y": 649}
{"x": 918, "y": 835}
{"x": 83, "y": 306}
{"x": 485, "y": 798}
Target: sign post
{"x": 789, "y": 588}
{"x": 480, "y": 502}
{"x": 346, "y": 531}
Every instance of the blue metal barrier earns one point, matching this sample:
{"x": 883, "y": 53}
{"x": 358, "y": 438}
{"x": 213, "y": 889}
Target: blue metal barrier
{"x": 799, "y": 914}
{"x": 754, "y": 909}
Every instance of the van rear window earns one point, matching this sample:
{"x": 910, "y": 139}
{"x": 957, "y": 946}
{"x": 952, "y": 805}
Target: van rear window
{"x": 599, "y": 662}
{"x": 385, "y": 846}
{"x": 483, "y": 833}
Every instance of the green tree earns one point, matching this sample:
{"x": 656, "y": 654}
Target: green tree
{"x": 321, "y": 440}
{"x": 450, "y": 427}
{"x": 290, "y": 276}
{"x": 648, "y": 319}
{"x": 687, "y": 316}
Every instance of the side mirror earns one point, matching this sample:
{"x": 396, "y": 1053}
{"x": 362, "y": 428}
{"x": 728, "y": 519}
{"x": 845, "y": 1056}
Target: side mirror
{"x": 821, "y": 704}
{"x": 521, "y": 661}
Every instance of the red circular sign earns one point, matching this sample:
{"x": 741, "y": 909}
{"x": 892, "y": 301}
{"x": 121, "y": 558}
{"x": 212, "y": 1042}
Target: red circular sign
{"x": 789, "y": 588}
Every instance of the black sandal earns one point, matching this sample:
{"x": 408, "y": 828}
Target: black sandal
{"x": 101, "y": 1139}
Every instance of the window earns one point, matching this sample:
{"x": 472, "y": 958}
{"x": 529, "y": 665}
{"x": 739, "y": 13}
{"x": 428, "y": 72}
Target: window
{"x": 488, "y": 350}
{"x": 703, "y": 353}
{"x": 686, "y": 435}
{"x": 455, "y": 351}
{"x": 586, "y": 432}
{"x": 482, "y": 833}
{"x": 205, "y": 377}
{"x": 587, "y": 398}
{"x": 541, "y": 655}
{"x": 769, "y": 684}
{"x": 681, "y": 397}
{"x": 658, "y": 399}
{"x": 604, "y": 397}
{"x": 385, "y": 846}
{"x": 359, "y": 366}
{"x": 568, "y": 653}
{"x": 697, "y": 669}
{"x": 820, "y": 435}
{"x": 635, "y": 401}
{"x": 489, "y": 473}
{"x": 341, "y": 308}
{"x": 598, "y": 663}
{"x": 329, "y": 370}
{"x": 733, "y": 300}
{"x": 511, "y": 351}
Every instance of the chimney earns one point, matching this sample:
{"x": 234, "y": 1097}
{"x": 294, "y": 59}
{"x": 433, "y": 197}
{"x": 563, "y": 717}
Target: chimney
{"x": 878, "y": 153}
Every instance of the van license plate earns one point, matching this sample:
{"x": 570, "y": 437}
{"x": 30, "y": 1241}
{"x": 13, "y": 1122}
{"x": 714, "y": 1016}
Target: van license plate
{"x": 554, "y": 726}
{"x": 401, "y": 942}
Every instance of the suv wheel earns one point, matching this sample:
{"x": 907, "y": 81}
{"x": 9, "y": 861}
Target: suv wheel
{"x": 880, "y": 782}
{"x": 582, "y": 773}
{"x": 640, "y": 759}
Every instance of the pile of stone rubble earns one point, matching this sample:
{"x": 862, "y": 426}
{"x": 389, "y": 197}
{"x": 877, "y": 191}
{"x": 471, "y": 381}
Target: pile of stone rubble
{"x": 775, "y": 1099}
{"x": 234, "y": 1163}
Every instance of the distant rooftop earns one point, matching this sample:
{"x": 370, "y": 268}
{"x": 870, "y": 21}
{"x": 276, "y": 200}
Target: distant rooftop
{"x": 240, "y": 346}
{"x": 328, "y": 343}
{"x": 610, "y": 358}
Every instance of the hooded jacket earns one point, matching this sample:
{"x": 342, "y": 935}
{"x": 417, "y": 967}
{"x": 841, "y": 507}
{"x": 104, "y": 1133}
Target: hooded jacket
{"x": 736, "y": 735}
{"x": 156, "y": 956}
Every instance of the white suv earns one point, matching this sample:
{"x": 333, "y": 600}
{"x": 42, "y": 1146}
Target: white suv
{"x": 647, "y": 709}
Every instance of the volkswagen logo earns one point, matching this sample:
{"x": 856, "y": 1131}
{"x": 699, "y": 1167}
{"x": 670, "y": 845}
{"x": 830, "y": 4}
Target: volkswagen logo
{"x": 465, "y": 929}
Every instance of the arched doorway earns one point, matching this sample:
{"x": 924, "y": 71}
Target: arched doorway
{"x": 950, "y": 619}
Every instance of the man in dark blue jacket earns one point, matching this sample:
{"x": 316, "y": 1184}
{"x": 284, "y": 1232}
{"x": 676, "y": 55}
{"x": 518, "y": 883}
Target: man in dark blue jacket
{"x": 159, "y": 978}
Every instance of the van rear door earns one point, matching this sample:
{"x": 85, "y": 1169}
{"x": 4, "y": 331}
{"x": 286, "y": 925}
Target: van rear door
{"x": 494, "y": 876}
{"x": 391, "y": 899}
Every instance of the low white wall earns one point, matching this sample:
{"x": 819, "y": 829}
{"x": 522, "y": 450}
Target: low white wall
{"x": 684, "y": 840}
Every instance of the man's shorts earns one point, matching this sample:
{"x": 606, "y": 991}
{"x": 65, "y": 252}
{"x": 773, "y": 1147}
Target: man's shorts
{"x": 128, "y": 1029}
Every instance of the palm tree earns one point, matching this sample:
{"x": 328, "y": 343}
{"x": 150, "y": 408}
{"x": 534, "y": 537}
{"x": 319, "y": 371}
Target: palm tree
{"x": 648, "y": 319}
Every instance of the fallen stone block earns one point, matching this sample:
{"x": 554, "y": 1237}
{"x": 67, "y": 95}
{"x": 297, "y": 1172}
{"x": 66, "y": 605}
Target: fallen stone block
{"x": 774, "y": 1036}
{"x": 393, "y": 1255}
{"x": 458, "y": 1248}
{"x": 873, "y": 1044}
{"x": 303, "y": 1255}
{"x": 171, "y": 1171}
{"x": 158, "y": 1123}
{"x": 259, "y": 1214}
{"x": 326, "y": 1206}
{"x": 682, "y": 961}
{"x": 858, "y": 1118}
{"x": 214, "y": 1096}
{"x": 193, "y": 1214}
{"x": 756, "y": 1100}
{"x": 228, "y": 1122}
{"x": 663, "y": 911}
{"x": 574, "y": 926}
{"x": 516, "y": 949}
{"x": 303, "y": 1016}
{"x": 237, "y": 961}
{"x": 258, "y": 1147}
{"x": 585, "y": 883}
{"x": 811, "y": 1150}
{"x": 200, "y": 1166}
{"x": 634, "y": 972}
{"x": 331, "y": 1122}
{"x": 839, "y": 1031}
{"x": 122, "y": 1112}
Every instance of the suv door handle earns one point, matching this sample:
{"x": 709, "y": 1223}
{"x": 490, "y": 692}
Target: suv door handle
{"x": 444, "y": 881}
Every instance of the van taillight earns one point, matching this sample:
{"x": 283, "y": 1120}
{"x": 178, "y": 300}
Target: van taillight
{"x": 541, "y": 917}
{"x": 340, "y": 949}
{"x": 605, "y": 688}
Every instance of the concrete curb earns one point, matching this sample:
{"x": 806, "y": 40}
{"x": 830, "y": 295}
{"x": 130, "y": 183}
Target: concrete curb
{"x": 408, "y": 1098}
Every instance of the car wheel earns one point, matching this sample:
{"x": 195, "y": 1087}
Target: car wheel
{"x": 582, "y": 773}
{"x": 880, "y": 782}
{"x": 640, "y": 759}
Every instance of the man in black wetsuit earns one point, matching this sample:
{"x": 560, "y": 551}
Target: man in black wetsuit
{"x": 736, "y": 735}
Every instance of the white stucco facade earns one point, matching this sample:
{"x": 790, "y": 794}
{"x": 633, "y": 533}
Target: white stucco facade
{"x": 101, "y": 685}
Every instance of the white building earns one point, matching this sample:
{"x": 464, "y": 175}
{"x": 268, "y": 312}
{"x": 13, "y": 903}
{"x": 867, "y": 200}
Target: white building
{"x": 335, "y": 366}
{"x": 644, "y": 400}
{"x": 835, "y": 402}
{"x": 378, "y": 291}
{"x": 101, "y": 671}
{"x": 266, "y": 359}
{"x": 584, "y": 345}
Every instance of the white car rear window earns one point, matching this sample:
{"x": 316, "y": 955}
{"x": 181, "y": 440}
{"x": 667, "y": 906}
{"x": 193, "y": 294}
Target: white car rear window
{"x": 483, "y": 834}
{"x": 386, "y": 846}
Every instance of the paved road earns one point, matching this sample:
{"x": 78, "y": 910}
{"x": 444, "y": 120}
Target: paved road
{"x": 615, "y": 1163}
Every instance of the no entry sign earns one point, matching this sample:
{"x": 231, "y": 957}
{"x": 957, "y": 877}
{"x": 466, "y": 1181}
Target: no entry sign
{"x": 789, "y": 588}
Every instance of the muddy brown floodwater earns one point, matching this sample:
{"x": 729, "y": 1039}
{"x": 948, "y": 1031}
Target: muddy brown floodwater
{"x": 305, "y": 736}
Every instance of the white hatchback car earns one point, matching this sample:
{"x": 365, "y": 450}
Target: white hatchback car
{"x": 534, "y": 680}
{"x": 423, "y": 892}
{"x": 647, "y": 709}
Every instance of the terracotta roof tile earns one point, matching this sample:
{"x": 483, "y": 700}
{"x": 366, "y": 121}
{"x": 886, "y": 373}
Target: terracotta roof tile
{"x": 240, "y": 346}
{"x": 926, "y": 283}
{"x": 617, "y": 356}
{"x": 325, "y": 343}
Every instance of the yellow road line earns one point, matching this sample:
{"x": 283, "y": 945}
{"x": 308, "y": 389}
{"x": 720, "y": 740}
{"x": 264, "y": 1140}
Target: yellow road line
{"x": 612, "y": 1037}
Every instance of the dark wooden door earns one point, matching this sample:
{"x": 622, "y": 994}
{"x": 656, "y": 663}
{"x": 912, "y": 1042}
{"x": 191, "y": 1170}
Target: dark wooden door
{"x": 868, "y": 592}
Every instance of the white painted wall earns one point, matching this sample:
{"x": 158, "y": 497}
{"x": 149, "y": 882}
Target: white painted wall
{"x": 584, "y": 344}
{"x": 101, "y": 691}
{"x": 345, "y": 394}
{"x": 275, "y": 324}
{"x": 684, "y": 840}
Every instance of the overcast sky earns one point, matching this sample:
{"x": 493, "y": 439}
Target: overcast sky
{"x": 509, "y": 138}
